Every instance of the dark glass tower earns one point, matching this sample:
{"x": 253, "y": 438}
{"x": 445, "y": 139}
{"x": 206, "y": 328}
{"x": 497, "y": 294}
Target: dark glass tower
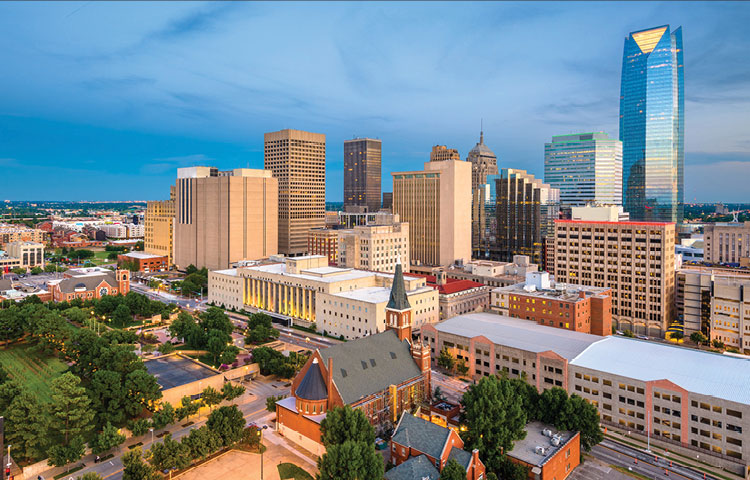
{"x": 652, "y": 125}
{"x": 362, "y": 164}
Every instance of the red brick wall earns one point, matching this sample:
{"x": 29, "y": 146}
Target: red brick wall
{"x": 578, "y": 310}
{"x": 298, "y": 423}
{"x": 601, "y": 315}
{"x": 562, "y": 464}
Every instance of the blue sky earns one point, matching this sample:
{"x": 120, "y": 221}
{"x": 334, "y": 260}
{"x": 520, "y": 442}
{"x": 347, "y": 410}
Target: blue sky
{"x": 104, "y": 100}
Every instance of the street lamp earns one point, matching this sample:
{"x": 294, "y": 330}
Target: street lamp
{"x": 152, "y": 436}
{"x": 260, "y": 447}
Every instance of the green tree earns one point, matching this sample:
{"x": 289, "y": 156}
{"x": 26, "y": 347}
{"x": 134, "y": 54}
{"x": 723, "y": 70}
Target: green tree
{"x": 169, "y": 454}
{"x": 555, "y": 407}
{"x": 107, "y": 439}
{"x": 438, "y": 394}
{"x": 446, "y": 360}
{"x": 717, "y": 343}
{"x": 508, "y": 470}
{"x": 164, "y": 416}
{"x": 166, "y": 348}
{"x": 139, "y": 426}
{"x": 186, "y": 328}
{"x": 227, "y": 423}
{"x": 61, "y": 455}
{"x": 134, "y": 468}
{"x": 18, "y": 270}
{"x": 461, "y": 367}
{"x": 211, "y": 397}
{"x": 90, "y": 476}
{"x": 202, "y": 442}
{"x": 121, "y": 317}
{"x": 351, "y": 460}
{"x": 585, "y": 419}
{"x": 698, "y": 338}
{"x": 26, "y": 425}
{"x": 494, "y": 415}
{"x": 271, "y": 402}
{"x": 344, "y": 423}
{"x": 70, "y": 413}
{"x": 676, "y": 335}
{"x": 453, "y": 471}
{"x": 36, "y": 270}
{"x": 231, "y": 392}
{"x": 187, "y": 407}
{"x": 142, "y": 390}
{"x": 191, "y": 269}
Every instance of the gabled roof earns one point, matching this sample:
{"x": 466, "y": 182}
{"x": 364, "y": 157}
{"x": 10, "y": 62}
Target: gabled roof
{"x": 461, "y": 456}
{"x": 312, "y": 386}
{"x": 370, "y": 364}
{"x": 90, "y": 282}
{"x": 422, "y": 435}
{"x": 398, "y": 300}
{"x": 415, "y": 468}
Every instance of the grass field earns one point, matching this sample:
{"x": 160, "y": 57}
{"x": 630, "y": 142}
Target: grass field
{"x": 292, "y": 471}
{"x": 32, "y": 369}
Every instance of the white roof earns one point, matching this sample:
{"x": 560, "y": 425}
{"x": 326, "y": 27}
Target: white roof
{"x": 229, "y": 271}
{"x": 327, "y": 275}
{"x": 141, "y": 255}
{"x": 697, "y": 371}
{"x": 376, "y": 294}
{"x": 517, "y": 333}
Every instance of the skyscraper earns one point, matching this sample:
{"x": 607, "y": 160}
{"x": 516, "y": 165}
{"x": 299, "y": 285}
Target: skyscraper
{"x": 483, "y": 163}
{"x": 585, "y": 167}
{"x": 159, "y": 226}
{"x": 441, "y": 153}
{"x": 652, "y": 124}
{"x": 362, "y": 160}
{"x": 298, "y": 160}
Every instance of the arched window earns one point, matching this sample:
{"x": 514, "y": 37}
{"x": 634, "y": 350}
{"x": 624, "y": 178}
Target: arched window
{"x": 103, "y": 291}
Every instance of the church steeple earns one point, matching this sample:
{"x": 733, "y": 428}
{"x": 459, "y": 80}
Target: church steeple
{"x": 398, "y": 309}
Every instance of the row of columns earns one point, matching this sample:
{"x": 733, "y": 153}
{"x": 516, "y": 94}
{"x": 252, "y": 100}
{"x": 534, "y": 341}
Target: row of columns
{"x": 291, "y": 300}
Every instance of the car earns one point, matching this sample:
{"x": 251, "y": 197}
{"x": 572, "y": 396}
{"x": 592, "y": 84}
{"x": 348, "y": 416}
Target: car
{"x": 642, "y": 337}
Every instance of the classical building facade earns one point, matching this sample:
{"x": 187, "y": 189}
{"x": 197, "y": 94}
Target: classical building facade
{"x": 440, "y": 153}
{"x": 726, "y": 242}
{"x": 224, "y": 217}
{"x": 298, "y": 161}
{"x": 362, "y": 172}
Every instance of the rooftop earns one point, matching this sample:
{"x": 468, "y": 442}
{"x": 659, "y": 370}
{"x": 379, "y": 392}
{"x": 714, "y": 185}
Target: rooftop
{"x": 141, "y": 255}
{"x": 229, "y": 271}
{"x": 517, "y": 333}
{"x": 564, "y": 292}
{"x": 706, "y": 373}
{"x": 419, "y": 468}
{"x": 323, "y": 274}
{"x": 526, "y": 449}
{"x": 629, "y": 222}
{"x": 422, "y": 435}
{"x": 452, "y": 285}
{"x": 375, "y": 294}
{"x": 174, "y": 370}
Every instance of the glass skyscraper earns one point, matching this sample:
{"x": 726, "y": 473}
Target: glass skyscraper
{"x": 652, "y": 125}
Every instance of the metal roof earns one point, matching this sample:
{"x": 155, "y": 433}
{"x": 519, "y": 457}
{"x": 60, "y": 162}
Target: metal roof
{"x": 517, "y": 333}
{"x": 421, "y": 435}
{"x": 312, "y": 386}
{"x": 705, "y": 373}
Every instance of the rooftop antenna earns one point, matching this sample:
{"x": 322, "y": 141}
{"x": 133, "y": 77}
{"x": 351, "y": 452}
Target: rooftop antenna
{"x": 481, "y": 130}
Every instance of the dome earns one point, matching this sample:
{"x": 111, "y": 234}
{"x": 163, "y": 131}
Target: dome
{"x": 312, "y": 386}
{"x": 481, "y": 150}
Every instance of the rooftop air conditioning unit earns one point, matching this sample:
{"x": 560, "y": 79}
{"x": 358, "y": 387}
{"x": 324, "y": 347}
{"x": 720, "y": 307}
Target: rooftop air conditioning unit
{"x": 547, "y": 432}
{"x": 540, "y": 450}
{"x": 556, "y": 440}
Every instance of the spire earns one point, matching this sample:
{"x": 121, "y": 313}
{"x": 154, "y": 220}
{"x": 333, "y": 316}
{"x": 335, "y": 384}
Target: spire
{"x": 398, "y": 299}
{"x": 481, "y": 131}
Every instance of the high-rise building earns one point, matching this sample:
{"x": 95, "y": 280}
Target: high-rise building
{"x": 635, "y": 259}
{"x": 387, "y": 200}
{"x": 484, "y": 219}
{"x": 158, "y": 227}
{"x": 298, "y": 160}
{"x": 224, "y": 217}
{"x": 726, "y": 242}
{"x": 526, "y": 211}
{"x": 377, "y": 248}
{"x": 441, "y": 153}
{"x": 652, "y": 124}
{"x": 435, "y": 202}
{"x": 483, "y": 163}
{"x": 362, "y": 164}
{"x": 585, "y": 167}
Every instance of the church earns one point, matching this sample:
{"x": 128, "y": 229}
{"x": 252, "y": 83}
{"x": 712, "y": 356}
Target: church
{"x": 383, "y": 375}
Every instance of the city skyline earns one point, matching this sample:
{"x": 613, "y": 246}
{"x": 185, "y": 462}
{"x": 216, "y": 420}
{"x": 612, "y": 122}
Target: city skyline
{"x": 113, "y": 116}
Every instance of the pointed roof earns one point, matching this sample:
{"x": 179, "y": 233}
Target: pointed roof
{"x": 398, "y": 299}
{"x": 480, "y": 149}
{"x": 648, "y": 39}
{"x": 312, "y": 386}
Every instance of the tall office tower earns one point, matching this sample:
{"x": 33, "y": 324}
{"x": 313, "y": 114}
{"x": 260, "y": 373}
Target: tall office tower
{"x": 158, "y": 227}
{"x": 526, "y": 211}
{"x": 387, "y": 200}
{"x": 224, "y": 217}
{"x": 434, "y": 202}
{"x": 483, "y": 163}
{"x": 652, "y": 125}
{"x": 634, "y": 259}
{"x": 298, "y": 160}
{"x": 727, "y": 243}
{"x": 484, "y": 219}
{"x": 585, "y": 167}
{"x": 441, "y": 153}
{"x": 362, "y": 160}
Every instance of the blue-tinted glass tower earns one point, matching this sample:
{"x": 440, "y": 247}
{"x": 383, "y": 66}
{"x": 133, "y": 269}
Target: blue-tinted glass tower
{"x": 652, "y": 125}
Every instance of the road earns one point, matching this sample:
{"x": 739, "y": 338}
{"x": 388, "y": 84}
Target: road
{"x": 254, "y": 411}
{"x": 643, "y": 463}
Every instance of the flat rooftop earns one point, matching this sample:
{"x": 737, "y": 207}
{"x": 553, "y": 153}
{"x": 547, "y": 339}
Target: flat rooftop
{"x": 565, "y": 292}
{"x": 376, "y": 294}
{"x": 142, "y": 256}
{"x": 525, "y": 450}
{"x": 173, "y": 371}
{"x": 322, "y": 274}
{"x": 516, "y": 333}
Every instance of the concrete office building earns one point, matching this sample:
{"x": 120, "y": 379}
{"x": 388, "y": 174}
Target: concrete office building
{"x": 324, "y": 241}
{"x": 159, "y": 227}
{"x": 693, "y": 300}
{"x": 585, "y": 167}
{"x": 387, "y": 200}
{"x": 494, "y": 274}
{"x": 440, "y": 153}
{"x": 526, "y": 210}
{"x": 435, "y": 203}
{"x": 362, "y": 173}
{"x": 374, "y": 247}
{"x": 29, "y": 254}
{"x": 14, "y": 233}
{"x": 352, "y": 219}
{"x": 342, "y": 301}
{"x": 635, "y": 259}
{"x": 224, "y": 217}
{"x": 298, "y": 160}
{"x": 726, "y": 242}
{"x": 730, "y": 312}
{"x": 695, "y": 400}
{"x": 579, "y": 308}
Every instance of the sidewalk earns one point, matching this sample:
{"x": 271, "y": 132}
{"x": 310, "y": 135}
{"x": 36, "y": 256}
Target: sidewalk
{"x": 695, "y": 463}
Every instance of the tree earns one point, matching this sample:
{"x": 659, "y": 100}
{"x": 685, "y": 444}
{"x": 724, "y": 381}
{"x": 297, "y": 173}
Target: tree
{"x": 446, "y": 360}
{"x": 453, "y": 471}
{"x": 438, "y": 394}
{"x": 217, "y": 342}
{"x": 139, "y": 426}
{"x": 107, "y": 439}
{"x": 461, "y": 367}
{"x": 508, "y": 470}
{"x": 138, "y": 246}
{"x": 36, "y": 270}
{"x": 169, "y": 454}
{"x": 70, "y": 411}
{"x": 585, "y": 419}
{"x": 18, "y": 270}
{"x": 134, "y": 468}
{"x": 698, "y": 338}
{"x": 271, "y": 402}
{"x": 494, "y": 415}
{"x": 677, "y": 335}
{"x": 163, "y": 417}
{"x": 231, "y": 392}
{"x": 112, "y": 256}
{"x": 227, "y": 423}
{"x": 25, "y": 426}
{"x": 188, "y": 407}
{"x": 121, "y": 317}
{"x": 351, "y": 460}
{"x": 191, "y": 269}
{"x": 186, "y": 328}
{"x": 166, "y": 348}
{"x": 142, "y": 391}
{"x": 717, "y": 343}
{"x": 61, "y": 455}
{"x": 344, "y": 423}
{"x": 210, "y": 397}
{"x": 90, "y": 476}
{"x": 202, "y": 442}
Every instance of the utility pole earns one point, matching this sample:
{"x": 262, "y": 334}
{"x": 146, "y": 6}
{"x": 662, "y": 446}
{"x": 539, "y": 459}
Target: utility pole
{"x": 648, "y": 432}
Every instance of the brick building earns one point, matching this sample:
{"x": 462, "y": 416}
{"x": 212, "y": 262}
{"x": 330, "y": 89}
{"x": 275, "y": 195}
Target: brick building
{"x": 419, "y": 444}
{"x": 456, "y": 297}
{"x": 87, "y": 286}
{"x": 146, "y": 262}
{"x": 323, "y": 241}
{"x": 573, "y": 307}
{"x": 549, "y": 455}
{"x": 383, "y": 375}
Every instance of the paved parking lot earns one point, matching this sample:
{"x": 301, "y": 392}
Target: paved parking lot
{"x": 594, "y": 469}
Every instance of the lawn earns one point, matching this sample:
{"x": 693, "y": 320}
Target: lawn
{"x": 290, "y": 470}
{"x": 32, "y": 369}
